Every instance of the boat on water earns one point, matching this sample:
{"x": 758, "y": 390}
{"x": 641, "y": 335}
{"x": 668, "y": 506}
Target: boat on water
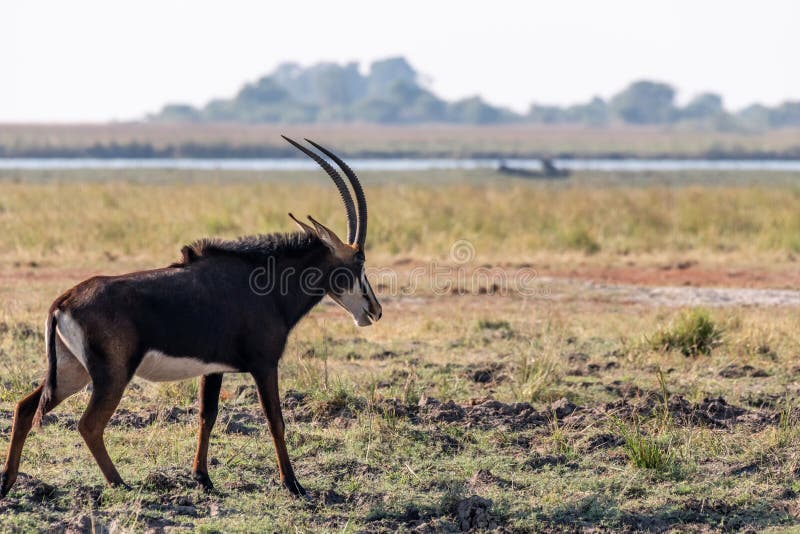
{"x": 548, "y": 170}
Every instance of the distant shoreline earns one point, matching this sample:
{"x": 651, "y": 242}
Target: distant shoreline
{"x": 143, "y": 140}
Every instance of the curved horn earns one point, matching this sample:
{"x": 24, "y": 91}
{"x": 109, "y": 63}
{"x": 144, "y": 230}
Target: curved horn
{"x": 344, "y": 192}
{"x": 361, "y": 233}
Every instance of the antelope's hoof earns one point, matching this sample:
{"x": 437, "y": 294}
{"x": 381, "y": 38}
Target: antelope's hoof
{"x": 203, "y": 480}
{"x": 120, "y": 484}
{"x": 5, "y": 484}
{"x": 295, "y": 487}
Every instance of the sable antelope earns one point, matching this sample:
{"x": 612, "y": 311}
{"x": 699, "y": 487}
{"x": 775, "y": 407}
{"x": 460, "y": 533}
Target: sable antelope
{"x": 216, "y": 311}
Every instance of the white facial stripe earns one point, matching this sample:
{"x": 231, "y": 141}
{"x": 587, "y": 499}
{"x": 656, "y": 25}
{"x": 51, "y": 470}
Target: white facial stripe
{"x": 352, "y": 300}
{"x": 159, "y": 367}
{"x": 357, "y": 300}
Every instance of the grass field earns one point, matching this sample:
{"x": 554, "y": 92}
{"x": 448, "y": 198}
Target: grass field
{"x": 565, "y": 408}
{"x": 82, "y": 217}
{"x": 420, "y": 140}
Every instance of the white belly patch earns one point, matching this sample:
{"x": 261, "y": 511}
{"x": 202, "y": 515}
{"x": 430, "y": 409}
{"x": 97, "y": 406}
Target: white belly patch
{"x": 159, "y": 367}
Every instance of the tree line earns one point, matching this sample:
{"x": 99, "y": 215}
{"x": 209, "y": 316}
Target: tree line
{"x": 391, "y": 92}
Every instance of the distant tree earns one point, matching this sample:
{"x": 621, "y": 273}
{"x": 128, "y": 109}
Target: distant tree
{"x": 787, "y": 114}
{"x": 220, "y": 110}
{"x": 265, "y": 91}
{"x": 703, "y": 106}
{"x": 179, "y": 113}
{"x": 291, "y": 77}
{"x": 546, "y": 114}
{"x": 391, "y": 92}
{"x": 334, "y": 114}
{"x": 755, "y": 116}
{"x": 425, "y": 108}
{"x": 645, "y": 102}
{"x": 402, "y": 93}
{"x": 594, "y": 113}
{"x": 377, "y": 110}
{"x": 473, "y": 111}
{"x": 413, "y": 103}
{"x": 299, "y": 113}
{"x": 335, "y": 85}
{"x": 758, "y": 116}
{"x": 323, "y": 83}
{"x": 385, "y": 73}
{"x": 329, "y": 92}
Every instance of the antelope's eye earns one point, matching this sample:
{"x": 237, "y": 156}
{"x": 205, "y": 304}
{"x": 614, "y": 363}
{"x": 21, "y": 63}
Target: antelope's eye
{"x": 359, "y": 257}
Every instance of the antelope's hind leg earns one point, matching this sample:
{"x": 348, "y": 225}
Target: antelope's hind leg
{"x": 108, "y": 386}
{"x": 71, "y": 377}
{"x": 209, "y": 404}
{"x": 23, "y": 420}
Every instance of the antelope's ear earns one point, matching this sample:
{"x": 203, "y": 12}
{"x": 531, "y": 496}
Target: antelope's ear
{"x": 303, "y": 226}
{"x": 331, "y": 240}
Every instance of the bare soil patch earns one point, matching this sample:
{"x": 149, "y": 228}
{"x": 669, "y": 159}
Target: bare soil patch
{"x": 686, "y": 273}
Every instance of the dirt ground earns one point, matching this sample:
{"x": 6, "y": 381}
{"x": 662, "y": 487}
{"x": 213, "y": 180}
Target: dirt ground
{"x": 471, "y": 410}
{"x": 685, "y": 274}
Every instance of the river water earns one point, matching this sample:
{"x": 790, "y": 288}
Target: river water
{"x": 410, "y": 164}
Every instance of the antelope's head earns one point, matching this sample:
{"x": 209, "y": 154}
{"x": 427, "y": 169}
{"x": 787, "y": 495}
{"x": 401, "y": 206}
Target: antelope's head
{"x": 347, "y": 282}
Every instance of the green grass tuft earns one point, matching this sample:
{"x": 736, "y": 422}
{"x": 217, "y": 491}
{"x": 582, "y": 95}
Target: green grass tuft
{"x": 693, "y": 333}
{"x": 643, "y": 451}
{"x": 488, "y": 324}
{"x": 579, "y": 238}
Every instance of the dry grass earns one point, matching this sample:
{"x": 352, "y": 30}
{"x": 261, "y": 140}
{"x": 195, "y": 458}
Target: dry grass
{"x": 81, "y": 222}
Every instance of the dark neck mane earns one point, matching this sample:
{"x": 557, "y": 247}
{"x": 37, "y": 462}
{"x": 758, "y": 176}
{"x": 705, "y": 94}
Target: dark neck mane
{"x": 291, "y": 251}
{"x": 253, "y": 248}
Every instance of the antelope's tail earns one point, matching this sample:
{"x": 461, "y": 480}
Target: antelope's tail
{"x": 50, "y": 381}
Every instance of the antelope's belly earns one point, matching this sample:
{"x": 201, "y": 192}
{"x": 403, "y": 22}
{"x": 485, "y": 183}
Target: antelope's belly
{"x": 159, "y": 367}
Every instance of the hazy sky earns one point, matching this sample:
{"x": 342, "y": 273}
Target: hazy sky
{"x": 91, "y": 60}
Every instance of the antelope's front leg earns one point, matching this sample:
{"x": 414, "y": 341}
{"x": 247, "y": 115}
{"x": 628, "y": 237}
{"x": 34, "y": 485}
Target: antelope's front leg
{"x": 267, "y": 384}
{"x": 209, "y": 404}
